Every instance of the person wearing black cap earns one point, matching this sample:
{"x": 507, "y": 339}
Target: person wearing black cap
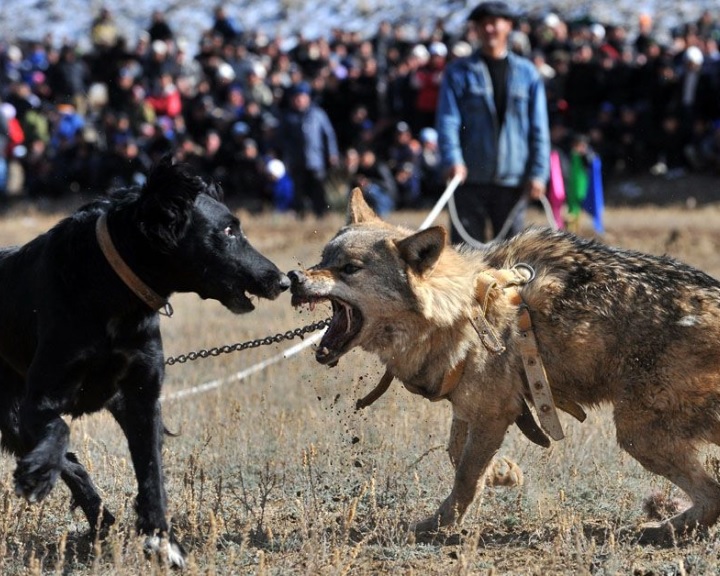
{"x": 493, "y": 131}
{"x": 308, "y": 144}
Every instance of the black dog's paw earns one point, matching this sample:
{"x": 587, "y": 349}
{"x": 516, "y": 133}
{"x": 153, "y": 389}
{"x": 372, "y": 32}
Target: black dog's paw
{"x": 100, "y": 529}
{"x": 168, "y": 549}
{"x": 35, "y": 477}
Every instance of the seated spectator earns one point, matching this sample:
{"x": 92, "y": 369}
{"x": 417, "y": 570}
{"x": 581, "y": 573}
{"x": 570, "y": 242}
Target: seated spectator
{"x": 256, "y": 90}
{"x": 159, "y": 28}
{"x": 103, "y": 31}
{"x": 249, "y": 177}
{"x": 375, "y": 179}
{"x": 281, "y": 186}
{"x": 431, "y": 172}
{"x": 165, "y": 100}
{"x": 427, "y": 83}
{"x": 408, "y": 185}
{"x": 403, "y": 148}
{"x": 68, "y": 127}
{"x": 225, "y": 25}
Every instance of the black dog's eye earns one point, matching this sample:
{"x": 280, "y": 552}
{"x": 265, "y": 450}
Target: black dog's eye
{"x": 350, "y": 269}
{"x": 229, "y": 231}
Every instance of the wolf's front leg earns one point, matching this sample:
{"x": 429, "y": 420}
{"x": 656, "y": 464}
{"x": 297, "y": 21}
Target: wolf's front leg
{"x": 458, "y": 438}
{"x": 482, "y": 441}
{"x": 501, "y": 471}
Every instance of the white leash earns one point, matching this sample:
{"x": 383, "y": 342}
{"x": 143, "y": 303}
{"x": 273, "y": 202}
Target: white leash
{"x": 448, "y": 198}
{"x": 522, "y": 203}
{"x": 307, "y": 342}
{"x": 440, "y": 204}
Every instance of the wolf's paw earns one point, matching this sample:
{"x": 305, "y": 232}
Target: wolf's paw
{"x": 658, "y": 506}
{"x": 657, "y": 533}
{"x": 429, "y": 525}
{"x": 504, "y": 472}
{"x": 166, "y": 548}
{"x": 35, "y": 476}
{"x": 651, "y": 533}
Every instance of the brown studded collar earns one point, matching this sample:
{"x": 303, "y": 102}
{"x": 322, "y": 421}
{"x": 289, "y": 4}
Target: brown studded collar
{"x": 131, "y": 280}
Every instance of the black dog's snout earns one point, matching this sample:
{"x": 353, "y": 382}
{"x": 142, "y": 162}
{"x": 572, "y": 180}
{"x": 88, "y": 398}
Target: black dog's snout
{"x": 296, "y": 277}
{"x": 284, "y": 282}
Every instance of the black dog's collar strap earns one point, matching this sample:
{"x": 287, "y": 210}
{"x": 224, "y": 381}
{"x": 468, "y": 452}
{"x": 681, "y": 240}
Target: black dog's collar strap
{"x": 131, "y": 280}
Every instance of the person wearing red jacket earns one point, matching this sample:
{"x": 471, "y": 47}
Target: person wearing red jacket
{"x": 166, "y": 100}
{"x": 427, "y": 82}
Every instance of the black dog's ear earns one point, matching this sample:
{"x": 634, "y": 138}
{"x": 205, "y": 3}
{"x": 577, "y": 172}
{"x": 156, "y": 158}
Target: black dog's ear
{"x": 422, "y": 250}
{"x": 166, "y": 202}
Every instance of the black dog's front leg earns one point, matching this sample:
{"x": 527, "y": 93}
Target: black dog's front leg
{"x": 45, "y": 435}
{"x": 85, "y": 495}
{"x": 141, "y": 421}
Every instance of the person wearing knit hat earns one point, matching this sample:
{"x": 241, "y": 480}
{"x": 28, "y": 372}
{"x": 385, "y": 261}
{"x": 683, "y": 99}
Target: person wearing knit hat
{"x": 493, "y": 129}
{"x": 308, "y": 147}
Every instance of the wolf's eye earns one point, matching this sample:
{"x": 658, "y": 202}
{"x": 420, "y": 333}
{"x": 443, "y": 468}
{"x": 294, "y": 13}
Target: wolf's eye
{"x": 350, "y": 269}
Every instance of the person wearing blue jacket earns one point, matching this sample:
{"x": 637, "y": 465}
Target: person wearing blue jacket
{"x": 309, "y": 148}
{"x": 493, "y": 130}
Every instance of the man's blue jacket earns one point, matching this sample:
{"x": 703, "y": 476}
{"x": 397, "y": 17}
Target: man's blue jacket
{"x": 467, "y": 123}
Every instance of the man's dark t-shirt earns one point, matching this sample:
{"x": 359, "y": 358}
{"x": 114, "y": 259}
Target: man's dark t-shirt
{"x": 498, "y": 68}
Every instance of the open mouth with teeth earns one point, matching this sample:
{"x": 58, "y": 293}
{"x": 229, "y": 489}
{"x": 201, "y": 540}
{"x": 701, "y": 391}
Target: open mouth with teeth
{"x": 344, "y": 326}
{"x": 238, "y": 303}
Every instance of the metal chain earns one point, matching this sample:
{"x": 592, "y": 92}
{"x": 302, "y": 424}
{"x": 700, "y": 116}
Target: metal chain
{"x": 227, "y": 349}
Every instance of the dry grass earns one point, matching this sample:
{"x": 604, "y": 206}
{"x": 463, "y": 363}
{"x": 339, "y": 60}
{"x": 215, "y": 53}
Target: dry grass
{"x": 277, "y": 473}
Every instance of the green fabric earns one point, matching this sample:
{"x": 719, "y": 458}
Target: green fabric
{"x": 578, "y": 184}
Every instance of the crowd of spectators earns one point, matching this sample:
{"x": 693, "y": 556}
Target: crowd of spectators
{"x": 75, "y": 122}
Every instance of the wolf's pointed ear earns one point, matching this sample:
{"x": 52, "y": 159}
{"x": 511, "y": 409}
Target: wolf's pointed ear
{"x": 422, "y": 250}
{"x": 358, "y": 210}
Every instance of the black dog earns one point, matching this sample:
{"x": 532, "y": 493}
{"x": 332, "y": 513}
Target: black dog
{"x": 80, "y": 329}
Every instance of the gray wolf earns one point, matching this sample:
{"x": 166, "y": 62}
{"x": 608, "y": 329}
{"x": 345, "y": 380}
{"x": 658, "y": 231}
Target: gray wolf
{"x": 77, "y": 336}
{"x": 611, "y": 326}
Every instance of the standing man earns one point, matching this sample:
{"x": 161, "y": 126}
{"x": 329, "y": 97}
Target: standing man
{"x": 309, "y": 147}
{"x": 492, "y": 124}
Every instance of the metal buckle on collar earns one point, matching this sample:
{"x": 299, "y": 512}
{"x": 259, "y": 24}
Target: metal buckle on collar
{"x": 530, "y": 270}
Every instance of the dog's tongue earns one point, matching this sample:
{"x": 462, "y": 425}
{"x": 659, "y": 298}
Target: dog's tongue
{"x": 330, "y": 346}
{"x": 336, "y": 336}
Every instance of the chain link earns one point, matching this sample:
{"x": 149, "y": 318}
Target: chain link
{"x": 228, "y": 348}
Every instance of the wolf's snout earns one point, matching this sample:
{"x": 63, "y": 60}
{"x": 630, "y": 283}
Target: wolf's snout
{"x": 296, "y": 278}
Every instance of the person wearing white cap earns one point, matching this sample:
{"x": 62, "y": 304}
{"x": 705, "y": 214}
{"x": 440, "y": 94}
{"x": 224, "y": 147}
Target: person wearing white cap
{"x": 493, "y": 130}
{"x": 698, "y": 94}
{"x": 427, "y": 80}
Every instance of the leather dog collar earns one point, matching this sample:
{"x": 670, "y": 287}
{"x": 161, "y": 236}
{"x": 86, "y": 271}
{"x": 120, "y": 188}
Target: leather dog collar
{"x": 448, "y": 384}
{"x": 131, "y": 280}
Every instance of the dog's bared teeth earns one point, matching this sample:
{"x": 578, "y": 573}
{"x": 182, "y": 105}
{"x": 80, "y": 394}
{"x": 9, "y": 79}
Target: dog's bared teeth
{"x": 348, "y": 318}
{"x": 311, "y": 305}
